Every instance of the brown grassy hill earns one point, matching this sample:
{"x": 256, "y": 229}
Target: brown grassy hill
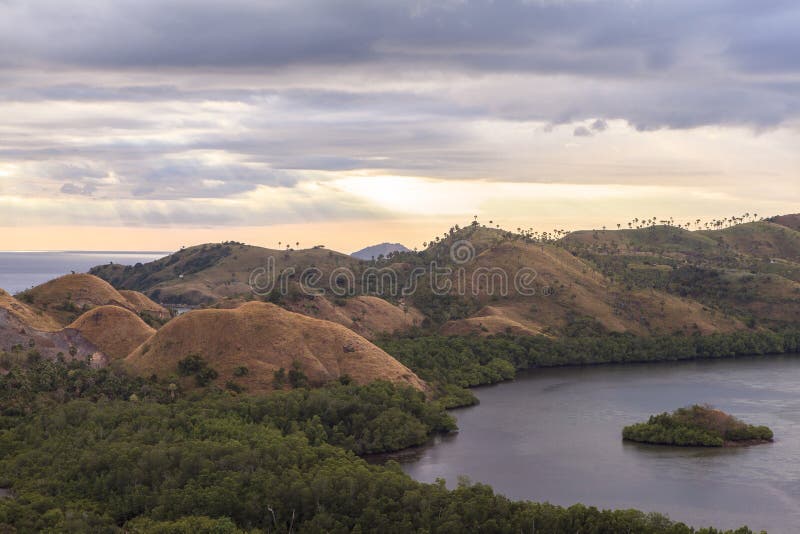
{"x": 492, "y": 320}
{"x": 115, "y": 331}
{"x": 789, "y": 221}
{"x": 569, "y": 291}
{"x": 366, "y": 315}
{"x": 764, "y": 240}
{"x": 744, "y": 246}
{"x": 666, "y": 241}
{"x": 248, "y": 344}
{"x": 66, "y": 297}
{"x": 206, "y": 273}
{"x": 20, "y": 339}
{"x": 143, "y": 304}
{"x": 650, "y": 280}
{"x": 765, "y": 297}
{"x": 27, "y": 315}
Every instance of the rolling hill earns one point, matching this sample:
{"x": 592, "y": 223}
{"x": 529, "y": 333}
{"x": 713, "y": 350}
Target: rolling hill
{"x": 27, "y": 315}
{"x": 750, "y": 271}
{"x": 245, "y": 346}
{"x": 653, "y": 280}
{"x": 366, "y": 315}
{"x": 25, "y": 332}
{"x": 567, "y": 294}
{"x": 65, "y": 298}
{"x": 203, "y": 274}
{"x": 113, "y": 330}
{"x": 789, "y": 221}
{"x": 143, "y": 305}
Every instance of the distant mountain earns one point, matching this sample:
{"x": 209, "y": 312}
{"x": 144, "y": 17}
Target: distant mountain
{"x": 376, "y": 250}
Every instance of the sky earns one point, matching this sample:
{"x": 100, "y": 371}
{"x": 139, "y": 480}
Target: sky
{"x": 155, "y": 124}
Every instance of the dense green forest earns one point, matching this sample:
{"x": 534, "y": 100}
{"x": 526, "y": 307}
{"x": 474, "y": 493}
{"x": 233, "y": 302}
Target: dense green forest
{"x": 698, "y": 426}
{"x": 96, "y": 451}
{"x": 377, "y": 417}
{"x": 454, "y": 363}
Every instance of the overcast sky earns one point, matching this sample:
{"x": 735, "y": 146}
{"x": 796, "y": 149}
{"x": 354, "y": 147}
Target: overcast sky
{"x": 149, "y": 124}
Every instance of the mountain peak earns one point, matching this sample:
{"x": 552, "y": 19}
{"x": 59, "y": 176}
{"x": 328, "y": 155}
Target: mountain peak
{"x": 383, "y": 249}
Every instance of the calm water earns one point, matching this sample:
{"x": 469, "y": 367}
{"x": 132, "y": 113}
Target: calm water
{"x": 554, "y": 435}
{"x": 21, "y": 270}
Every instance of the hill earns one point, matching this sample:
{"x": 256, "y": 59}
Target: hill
{"x": 789, "y": 221}
{"x": 23, "y": 313}
{"x": 366, "y": 315}
{"x": 28, "y": 333}
{"x": 246, "y": 346}
{"x": 203, "y": 274}
{"x": 376, "y": 251}
{"x": 144, "y": 305}
{"x": 565, "y": 294}
{"x": 66, "y": 297}
{"x": 663, "y": 241}
{"x": 750, "y": 271}
{"x": 113, "y": 330}
{"x": 761, "y": 240}
{"x": 653, "y": 280}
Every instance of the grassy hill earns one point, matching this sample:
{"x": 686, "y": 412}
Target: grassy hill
{"x": 750, "y": 270}
{"x": 257, "y": 347}
{"x": 657, "y": 279}
{"x": 115, "y": 331}
{"x": 29, "y": 334}
{"x": 568, "y": 294}
{"x": 206, "y": 273}
{"x": 366, "y": 315}
{"x": 26, "y": 314}
{"x": 789, "y": 221}
{"x": 64, "y": 299}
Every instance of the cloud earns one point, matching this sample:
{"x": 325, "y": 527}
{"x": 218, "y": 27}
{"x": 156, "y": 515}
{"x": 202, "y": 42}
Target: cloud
{"x": 73, "y": 189}
{"x": 582, "y": 131}
{"x": 181, "y": 101}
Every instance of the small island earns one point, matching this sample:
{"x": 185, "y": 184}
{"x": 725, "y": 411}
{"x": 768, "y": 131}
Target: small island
{"x": 697, "y": 426}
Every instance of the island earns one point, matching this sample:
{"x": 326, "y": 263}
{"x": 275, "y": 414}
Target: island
{"x": 697, "y": 426}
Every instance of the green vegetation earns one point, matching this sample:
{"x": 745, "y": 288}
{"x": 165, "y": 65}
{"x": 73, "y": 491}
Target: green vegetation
{"x": 195, "y": 365}
{"x": 696, "y": 426}
{"x": 378, "y": 417}
{"x": 85, "y": 450}
{"x": 450, "y": 363}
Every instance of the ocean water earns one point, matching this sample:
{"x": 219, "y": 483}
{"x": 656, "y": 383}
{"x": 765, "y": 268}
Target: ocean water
{"x": 20, "y": 270}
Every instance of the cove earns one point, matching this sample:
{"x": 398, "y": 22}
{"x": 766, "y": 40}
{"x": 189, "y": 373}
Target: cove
{"x": 555, "y": 435}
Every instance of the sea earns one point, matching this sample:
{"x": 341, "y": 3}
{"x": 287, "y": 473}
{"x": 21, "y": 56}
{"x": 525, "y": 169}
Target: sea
{"x": 23, "y": 269}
